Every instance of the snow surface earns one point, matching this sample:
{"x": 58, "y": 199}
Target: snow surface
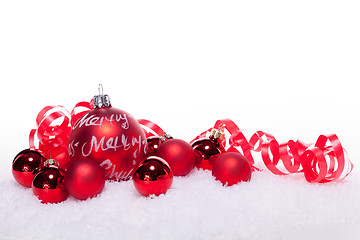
{"x": 196, "y": 207}
{"x": 290, "y": 68}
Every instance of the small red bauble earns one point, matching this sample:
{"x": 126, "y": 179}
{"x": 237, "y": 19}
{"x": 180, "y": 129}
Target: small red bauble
{"x": 154, "y": 143}
{"x": 48, "y": 184}
{"x": 84, "y": 179}
{"x": 231, "y": 168}
{"x": 111, "y": 137}
{"x": 179, "y": 155}
{"x": 208, "y": 149}
{"x": 153, "y": 176}
{"x": 25, "y": 165}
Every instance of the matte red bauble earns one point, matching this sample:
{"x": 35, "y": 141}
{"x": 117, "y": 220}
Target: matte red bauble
{"x": 84, "y": 179}
{"x": 48, "y": 184}
{"x": 110, "y": 136}
{"x": 153, "y": 176}
{"x": 179, "y": 155}
{"x": 25, "y": 165}
{"x": 231, "y": 168}
{"x": 208, "y": 149}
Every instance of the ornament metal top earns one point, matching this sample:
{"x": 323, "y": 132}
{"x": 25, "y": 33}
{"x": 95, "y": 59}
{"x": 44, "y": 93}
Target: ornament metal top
{"x": 101, "y": 100}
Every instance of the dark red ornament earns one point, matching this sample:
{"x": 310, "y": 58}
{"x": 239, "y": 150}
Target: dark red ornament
{"x": 153, "y": 176}
{"x": 48, "y": 183}
{"x": 84, "y": 179}
{"x": 179, "y": 155}
{"x": 110, "y": 136}
{"x": 208, "y": 149}
{"x": 25, "y": 165}
{"x": 154, "y": 143}
{"x": 231, "y": 168}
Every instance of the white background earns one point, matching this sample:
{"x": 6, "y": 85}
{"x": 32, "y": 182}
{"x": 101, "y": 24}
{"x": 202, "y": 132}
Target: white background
{"x": 290, "y": 68}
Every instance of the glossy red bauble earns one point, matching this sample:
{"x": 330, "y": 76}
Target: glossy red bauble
{"x": 179, "y": 155}
{"x": 25, "y": 165}
{"x": 153, "y": 176}
{"x": 48, "y": 185}
{"x": 206, "y": 151}
{"x": 154, "y": 143}
{"x": 231, "y": 167}
{"x": 111, "y": 137}
{"x": 84, "y": 179}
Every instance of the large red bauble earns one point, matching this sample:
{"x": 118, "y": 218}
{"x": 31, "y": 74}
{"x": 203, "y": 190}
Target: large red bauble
{"x": 25, "y": 165}
{"x": 153, "y": 176}
{"x": 179, "y": 155}
{"x": 206, "y": 151}
{"x": 48, "y": 185}
{"x": 231, "y": 168}
{"x": 111, "y": 137}
{"x": 84, "y": 179}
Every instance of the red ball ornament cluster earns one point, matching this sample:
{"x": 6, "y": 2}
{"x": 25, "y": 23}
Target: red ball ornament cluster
{"x": 104, "y": 143}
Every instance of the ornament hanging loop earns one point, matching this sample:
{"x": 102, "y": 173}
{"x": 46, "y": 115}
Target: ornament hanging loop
{"x": 101, "y": 90}
{"x": 101, "y": 100}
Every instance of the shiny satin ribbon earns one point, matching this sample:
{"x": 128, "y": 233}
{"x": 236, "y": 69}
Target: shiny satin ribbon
{"x": 150, "y": 128}
{"x": 324, "y": 161}
{"x": 52, "y": 132}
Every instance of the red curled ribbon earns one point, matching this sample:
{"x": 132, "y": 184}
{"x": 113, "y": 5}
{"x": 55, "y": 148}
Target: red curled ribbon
{"x": 150, "y": 128}
{"x": 324, "y": 161}
{"x": 53, "y": 131}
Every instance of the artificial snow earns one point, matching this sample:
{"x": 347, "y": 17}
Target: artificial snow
{"x": 196, "y": 207}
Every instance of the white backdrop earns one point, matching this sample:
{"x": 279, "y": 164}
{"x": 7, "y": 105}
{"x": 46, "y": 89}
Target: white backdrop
{"x": 290, "y": 68}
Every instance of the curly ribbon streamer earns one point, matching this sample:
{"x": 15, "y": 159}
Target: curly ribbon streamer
{"x": 53, "y": 132}
{"x": 155, "y": 130}
{"x": 322, "y": 162}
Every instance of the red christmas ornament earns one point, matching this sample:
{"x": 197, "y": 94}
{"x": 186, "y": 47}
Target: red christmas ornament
{"x": 110, "y": 136}
{"x": 231, "y": 168}
{"x": 25, "y": 165}
{"x": 153, "y": 176}
{"x": 84, "y": 179}
{"x": 48, "y": 184}
{"x": 154, "y": 143}
{"x": 208, "y": 149}
{"x": 179, "y": 155}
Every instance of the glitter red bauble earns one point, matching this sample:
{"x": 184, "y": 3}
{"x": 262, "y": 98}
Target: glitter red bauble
{"x": 206, "y": 151}
{"x": 48, "y": 185}
{"x": 231, "y": 168}
{"x": 179, "y": 155}
{"x": 153, "y": 176}
{"x": 84, "y": 179}
{"x": 111, "y": 137}
{"x": 25, "y": 165}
